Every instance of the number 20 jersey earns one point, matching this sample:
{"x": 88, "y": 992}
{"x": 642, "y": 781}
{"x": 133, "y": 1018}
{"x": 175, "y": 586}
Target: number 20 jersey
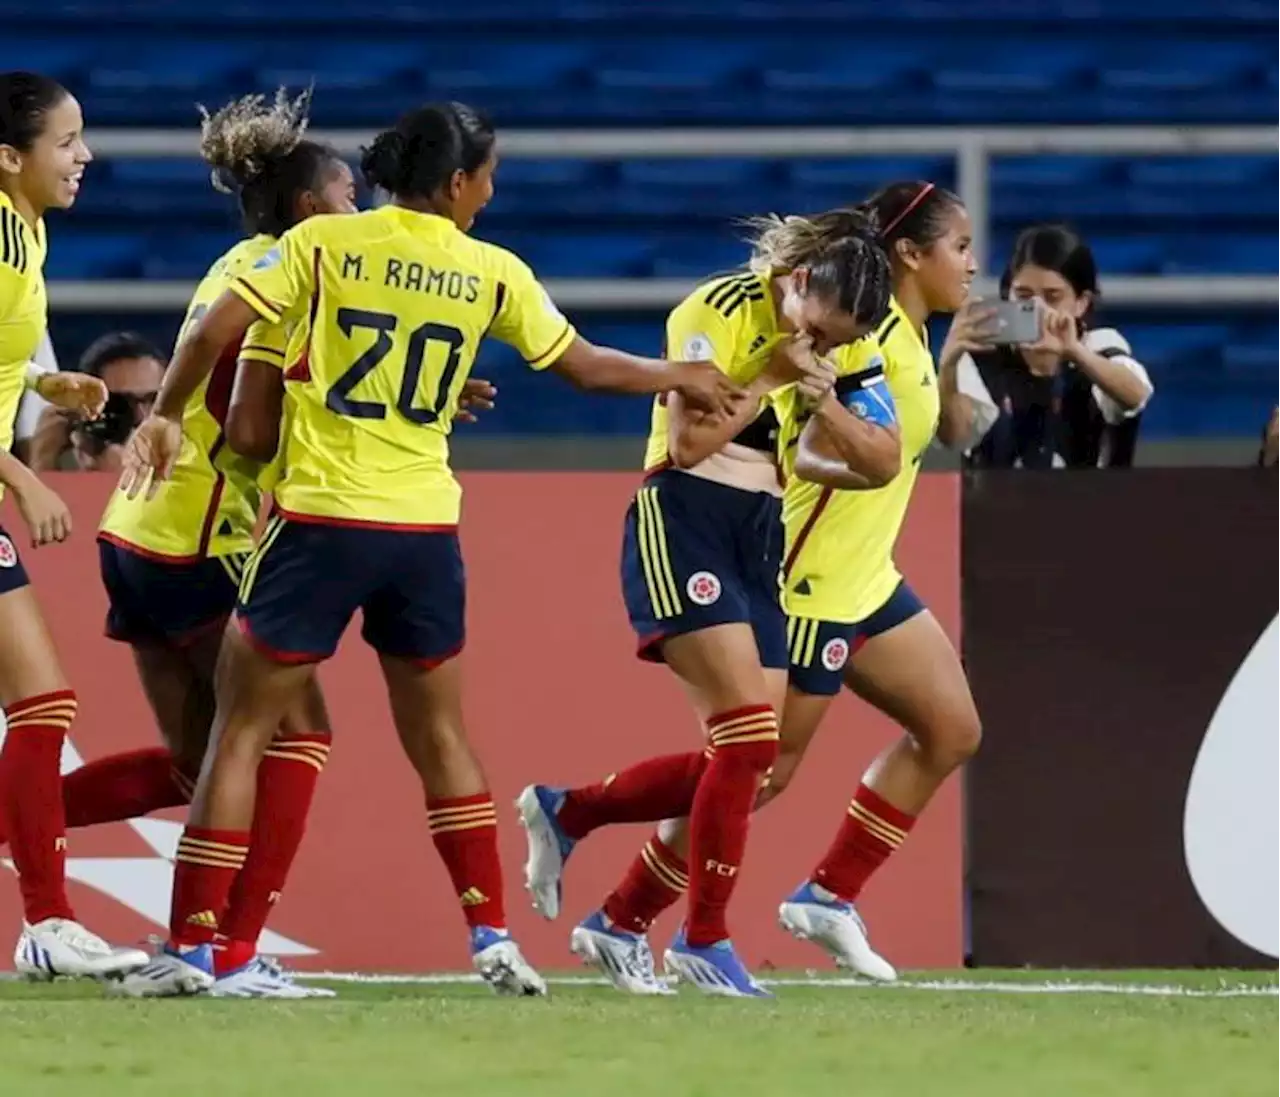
{"x": 390, "y": 307}
{"x": 204, "y": 509}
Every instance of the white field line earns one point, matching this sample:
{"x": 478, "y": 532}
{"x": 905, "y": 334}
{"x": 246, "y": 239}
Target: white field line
{"x": 946, "y": 985}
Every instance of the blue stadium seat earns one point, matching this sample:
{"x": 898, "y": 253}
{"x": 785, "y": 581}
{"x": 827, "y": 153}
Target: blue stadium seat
{"x": 716, "y": 189}
{"x": 85, "y": 255}
{"x": 826, "y": 184}
{"x": 186, "y": 256}
{"x": 699, "y": 257}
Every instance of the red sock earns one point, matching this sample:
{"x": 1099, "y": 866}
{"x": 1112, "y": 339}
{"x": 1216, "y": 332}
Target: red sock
{"x": 287, "y": 778}
{"x": 203, "y": 872}
{"x": 124, "y": 786}
{"x": 465, "y": 831}
{"x": 655, "y": 880}
{"x": 660, "y": 788}
{"x": 746, "y": 745}
{"x": 31, "y": 800}
{"x": 871, "y": 831}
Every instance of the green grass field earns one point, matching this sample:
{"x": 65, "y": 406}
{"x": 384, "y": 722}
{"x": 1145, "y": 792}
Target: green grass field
{"x": 377, "y": 1039}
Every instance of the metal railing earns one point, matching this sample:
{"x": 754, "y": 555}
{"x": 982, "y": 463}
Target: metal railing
{"x": 971, "y": 147}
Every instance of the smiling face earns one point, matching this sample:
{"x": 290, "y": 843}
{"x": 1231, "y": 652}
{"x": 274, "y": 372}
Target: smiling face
{"x": 48, "y": 173}
{"x": 944, "y": 269}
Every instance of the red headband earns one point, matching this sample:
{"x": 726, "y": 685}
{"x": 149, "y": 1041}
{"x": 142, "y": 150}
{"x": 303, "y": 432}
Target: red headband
{"x": 924, "y": 192}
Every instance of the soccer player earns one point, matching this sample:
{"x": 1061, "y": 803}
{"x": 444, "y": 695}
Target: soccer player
{"x": 701, "y": 557}
{"x": 171, "y": 567}
{"x": 42, "y": 159}
{"x": 391, "y": 306}
{"x": 851, "y": 618}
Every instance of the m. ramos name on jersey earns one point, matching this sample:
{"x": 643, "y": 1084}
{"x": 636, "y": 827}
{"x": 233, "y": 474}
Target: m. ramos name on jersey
{"x": 409, "y": 274}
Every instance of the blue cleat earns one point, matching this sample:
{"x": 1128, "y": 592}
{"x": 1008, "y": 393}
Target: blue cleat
{"x": 714, "y": 969}
{"x": 625, "y": 958}
{"x": 549, "y": 847}
{"x": 812, "y": 913}
{"x": 501, "y": 964}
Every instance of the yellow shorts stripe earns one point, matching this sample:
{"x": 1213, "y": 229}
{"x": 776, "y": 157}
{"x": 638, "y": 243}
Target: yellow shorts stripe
{"x": 274, "y": 528}
{"x": 655, "y": 560}
{"x": 802, "y": 639}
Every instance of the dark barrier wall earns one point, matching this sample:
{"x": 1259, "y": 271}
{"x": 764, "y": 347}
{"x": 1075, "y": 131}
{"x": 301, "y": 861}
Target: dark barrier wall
{"x": 1104, "y": 617}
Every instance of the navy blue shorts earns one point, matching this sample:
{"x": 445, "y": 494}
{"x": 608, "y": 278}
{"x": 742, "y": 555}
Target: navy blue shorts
{"x": 696, "y": 554}
{"x": 305, "y": 581}
{"x": 153, "y": 601}
{"x": 820, "y": 649}
{"x": 13, "y": 576}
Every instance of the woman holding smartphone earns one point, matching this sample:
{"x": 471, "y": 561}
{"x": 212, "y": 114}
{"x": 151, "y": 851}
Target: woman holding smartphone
{"x": 1071, "y": 399}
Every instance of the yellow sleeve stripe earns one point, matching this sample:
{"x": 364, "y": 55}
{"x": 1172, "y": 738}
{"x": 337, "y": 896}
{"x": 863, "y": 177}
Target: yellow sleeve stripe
{"x": 255, "y": 300}
{"x": 275, "y": 526}
{"x": 257, "y": 350}
{"x": 557, "y": 348}
{"x": 655, "y": 559}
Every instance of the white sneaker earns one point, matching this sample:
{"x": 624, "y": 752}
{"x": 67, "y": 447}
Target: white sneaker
{"x": 625, "y": 958}
{"x": 263, "y": 977}
{"x": 59, "y": 946}
{"x": 549, "y": 847}
{"x": 170, "y": 974}
{"x": 811, "y": 913}
{"x": 500, "y": 963}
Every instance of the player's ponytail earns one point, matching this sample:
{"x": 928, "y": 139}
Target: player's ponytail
{"x": 25, "y": 99}
{"x": 840, "y": 250}
{"x": 257, "y": 152}
{"x": 421, "y": 153}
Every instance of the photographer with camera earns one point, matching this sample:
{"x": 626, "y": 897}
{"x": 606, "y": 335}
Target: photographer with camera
{"x": 132, "y": 368}
{"x": 1064, "y": 394}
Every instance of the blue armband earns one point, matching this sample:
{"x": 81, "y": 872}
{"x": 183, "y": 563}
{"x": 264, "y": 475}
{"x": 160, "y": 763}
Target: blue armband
{"x": 867, "y": 396}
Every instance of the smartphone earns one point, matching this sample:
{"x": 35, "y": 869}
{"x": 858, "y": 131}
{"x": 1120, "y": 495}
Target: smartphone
{"x": 1016, "y": 322}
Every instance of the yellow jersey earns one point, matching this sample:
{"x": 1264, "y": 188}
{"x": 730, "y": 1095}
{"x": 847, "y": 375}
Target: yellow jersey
{"x": 730, "y": 321}
{"x": 24, "y": 308}
{"x": 390, "y": 307}
{"x": 839, "y": 555}
{"x": 210, "y": 504}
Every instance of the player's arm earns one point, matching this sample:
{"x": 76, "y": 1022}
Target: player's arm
{"x": 701, "y": 333}
{"x": 852, "y": 440}
{"x": 527, "y": 319}
{"x": 257, "y": 397}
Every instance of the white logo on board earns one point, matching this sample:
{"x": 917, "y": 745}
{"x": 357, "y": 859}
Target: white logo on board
{"x": 1229, "y": 827}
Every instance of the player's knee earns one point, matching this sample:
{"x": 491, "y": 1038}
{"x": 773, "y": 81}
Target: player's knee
{"x": 951, "y": 741}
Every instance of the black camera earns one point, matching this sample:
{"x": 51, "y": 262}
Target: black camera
{"x": 121, "y": 413}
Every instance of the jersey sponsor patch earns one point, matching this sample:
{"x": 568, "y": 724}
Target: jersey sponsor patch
{"x": 697, "y": 348}
{"x": 835, "y": 653}
{"x": 268, "y": 259}
{"x": 703, "y": 588}
{"x": 8, "y": 554}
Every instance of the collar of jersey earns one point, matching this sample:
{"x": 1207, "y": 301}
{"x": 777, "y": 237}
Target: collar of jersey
{"x": 418, "y": 221}
{"x": 901, "y": 313}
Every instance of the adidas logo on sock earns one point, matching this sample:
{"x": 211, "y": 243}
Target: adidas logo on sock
{"x": 473, "y": 897}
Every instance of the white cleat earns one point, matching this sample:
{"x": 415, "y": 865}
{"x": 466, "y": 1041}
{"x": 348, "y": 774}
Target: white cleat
{"x": 170, "y": 974}
{"x": 501, "y": 964}
{"x": 624, "y": 958}
{"x": 814, "y": 914}
{"x": 262, "y": 977}
{"x": 59, "y": 946}
{"x": 549, "y": 847}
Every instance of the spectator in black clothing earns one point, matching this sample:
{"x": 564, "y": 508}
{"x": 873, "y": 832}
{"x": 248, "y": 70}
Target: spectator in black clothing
{"x": 1072, "y": 400}
{"x": 1269, "y": 454}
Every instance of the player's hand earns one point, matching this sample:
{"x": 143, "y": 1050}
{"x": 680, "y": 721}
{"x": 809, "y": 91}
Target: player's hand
{"x": 791, "y": 361}
{"x": 704, "y": 388}
{"x": 150, "y": 454}
{"x": 972, "y": 329}
{"x": 46, "y": 515}
{"x": 477, "y": 395}
{"x": 818, "y": 380}
{"x": 81, "y": 393}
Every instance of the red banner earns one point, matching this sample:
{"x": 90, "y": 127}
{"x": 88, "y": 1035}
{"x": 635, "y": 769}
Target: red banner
{"x": 554, "y": 694}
